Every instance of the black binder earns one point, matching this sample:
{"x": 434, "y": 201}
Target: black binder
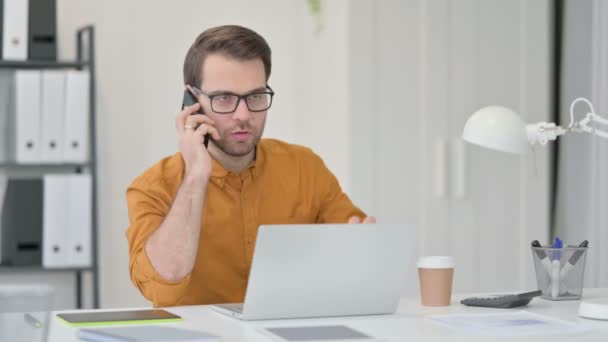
{"x": 21, "y": 222}
{"x": 42, "y": 30}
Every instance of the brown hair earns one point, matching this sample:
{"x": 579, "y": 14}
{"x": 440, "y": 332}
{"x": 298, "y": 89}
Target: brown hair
{"x": 232, "y": 41}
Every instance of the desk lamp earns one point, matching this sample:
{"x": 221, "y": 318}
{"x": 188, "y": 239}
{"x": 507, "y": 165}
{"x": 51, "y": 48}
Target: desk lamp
{"x": 501, "y": 129}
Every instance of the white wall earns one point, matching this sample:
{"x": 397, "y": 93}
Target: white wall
{"x": 351, "y": 92}
{"x": 428, "y": 65}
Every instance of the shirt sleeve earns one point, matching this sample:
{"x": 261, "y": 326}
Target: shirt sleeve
{"x": 148, "y": 205}
{"x": 335, "y": 206}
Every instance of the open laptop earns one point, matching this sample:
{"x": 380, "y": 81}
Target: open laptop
{"x": 326, "y": 270}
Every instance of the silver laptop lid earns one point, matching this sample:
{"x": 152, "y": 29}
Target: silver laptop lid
{"x": 328, "y": 270}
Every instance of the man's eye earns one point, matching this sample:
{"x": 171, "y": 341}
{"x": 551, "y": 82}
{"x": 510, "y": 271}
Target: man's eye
{"x": 223, "y": 98}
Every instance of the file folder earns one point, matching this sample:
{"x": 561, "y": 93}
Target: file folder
{"x": 27, "y": 116}
{"x": 42, "y": 30}
{"x": 15, "y": 29}
{"x": 55, "y": 221}
{"x": 21, "y": 222}
{"x": 77, "y": 88}
{"x": 3, "y": 186}
{"x": 6, "y": 85}
{"x": 79, "y": 220}
{"x": 52, "y": 105}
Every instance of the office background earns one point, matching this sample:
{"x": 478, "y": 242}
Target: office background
{"x": 381, "y": 90}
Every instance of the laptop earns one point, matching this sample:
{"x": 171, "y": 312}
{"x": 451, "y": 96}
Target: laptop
{"x": 324, "y": 270}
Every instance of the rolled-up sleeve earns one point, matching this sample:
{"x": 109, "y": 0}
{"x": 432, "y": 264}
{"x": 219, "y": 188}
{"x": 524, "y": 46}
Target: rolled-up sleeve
{"x": 148, "y": 205}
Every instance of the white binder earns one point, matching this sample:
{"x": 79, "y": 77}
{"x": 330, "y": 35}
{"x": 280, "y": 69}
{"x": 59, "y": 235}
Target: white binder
{"x": 27, "y": 116}
{"x": 6, "y": 90}
{"x": 52, "y": 104}
{"x": 79, "y": 220}
{"x": 15, "y": 15}
{"x": 76, "y": 142}
{"x": 55, "y": 221}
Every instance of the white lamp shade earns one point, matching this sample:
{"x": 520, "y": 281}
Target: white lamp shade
{"x": 498, "y": 128}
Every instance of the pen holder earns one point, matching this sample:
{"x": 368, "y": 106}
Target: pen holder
{"x": 560, "y": 271}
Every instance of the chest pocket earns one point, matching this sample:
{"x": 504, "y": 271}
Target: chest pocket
{"x": 287, "y": 209}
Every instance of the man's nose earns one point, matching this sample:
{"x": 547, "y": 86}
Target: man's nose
{"x": 242, "y": 112}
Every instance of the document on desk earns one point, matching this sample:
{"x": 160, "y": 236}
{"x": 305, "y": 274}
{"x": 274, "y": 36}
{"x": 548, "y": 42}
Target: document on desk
{"x": 520, "y": 323}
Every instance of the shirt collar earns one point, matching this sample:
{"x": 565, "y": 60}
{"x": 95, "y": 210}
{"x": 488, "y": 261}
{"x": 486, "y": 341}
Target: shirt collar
{"x": 254, "y": 167}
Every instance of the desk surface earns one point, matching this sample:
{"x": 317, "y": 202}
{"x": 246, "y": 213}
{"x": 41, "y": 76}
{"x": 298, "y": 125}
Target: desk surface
{"x": 408, "y": 322}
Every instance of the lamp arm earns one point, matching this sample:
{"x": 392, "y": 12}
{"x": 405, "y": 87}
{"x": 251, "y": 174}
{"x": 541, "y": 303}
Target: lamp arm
{"x": 577, "y": 100}
{"x": 583, "y": 125}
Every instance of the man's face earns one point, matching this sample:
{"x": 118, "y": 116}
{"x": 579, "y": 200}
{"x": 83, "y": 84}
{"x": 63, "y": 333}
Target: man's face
{"x": 239, "y": 131}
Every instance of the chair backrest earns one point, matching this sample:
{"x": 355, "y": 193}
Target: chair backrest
{"x": 25, "y": 312}
{"x": 25, "y": 297}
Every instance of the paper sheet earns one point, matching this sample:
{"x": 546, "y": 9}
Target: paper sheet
{"x": 520, "y": 323}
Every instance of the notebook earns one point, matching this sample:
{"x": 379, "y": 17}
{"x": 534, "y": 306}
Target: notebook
{"x": 144, "y": 333}
{"x": 97, "y": 318}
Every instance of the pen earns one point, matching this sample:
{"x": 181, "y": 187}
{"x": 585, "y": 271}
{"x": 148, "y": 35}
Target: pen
{"x": 31, "y": 320}
{"x": 573, "y": 259}
{"x": 555, "y": 268}
{"x": 542, "y": 256}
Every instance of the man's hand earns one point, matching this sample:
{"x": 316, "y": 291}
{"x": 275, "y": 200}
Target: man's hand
{"x": 356, "y": 219}
{"x": 191, "y": 131}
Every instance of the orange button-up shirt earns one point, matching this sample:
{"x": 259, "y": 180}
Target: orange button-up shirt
{"x": 284, "y": 184}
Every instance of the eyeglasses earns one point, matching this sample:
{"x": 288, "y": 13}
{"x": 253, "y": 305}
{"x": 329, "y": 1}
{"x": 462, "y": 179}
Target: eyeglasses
{"x": 227, "y": 103}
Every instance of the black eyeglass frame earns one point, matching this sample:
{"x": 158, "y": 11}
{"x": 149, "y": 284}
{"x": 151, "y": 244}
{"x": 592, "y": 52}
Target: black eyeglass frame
{"x": 240, "y": 97}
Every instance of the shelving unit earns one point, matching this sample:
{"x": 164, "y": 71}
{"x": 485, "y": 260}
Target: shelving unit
{"x": 85, "y": 60}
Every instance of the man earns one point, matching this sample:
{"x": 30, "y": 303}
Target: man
{"x": 194, "y": 215}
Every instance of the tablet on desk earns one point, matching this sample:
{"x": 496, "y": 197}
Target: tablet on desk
{"x": 317, "y": 334}
{"x": 118, "y": 317}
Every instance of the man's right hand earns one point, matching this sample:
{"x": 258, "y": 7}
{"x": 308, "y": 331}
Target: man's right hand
{"x": 191, "y": 131}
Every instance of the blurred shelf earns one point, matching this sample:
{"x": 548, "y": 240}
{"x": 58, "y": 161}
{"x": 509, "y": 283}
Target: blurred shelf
{"x": 49, "y": 165}
{"x": 38, "y": 268}
{"x": 38, "y": 64}
{"x": 84, "y": 60}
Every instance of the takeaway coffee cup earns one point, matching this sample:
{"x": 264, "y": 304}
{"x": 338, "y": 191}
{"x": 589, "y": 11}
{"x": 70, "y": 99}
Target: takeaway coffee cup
{"x": 436, "y": 274}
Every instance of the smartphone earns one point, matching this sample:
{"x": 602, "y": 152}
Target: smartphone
{"x": 189, "y": 100}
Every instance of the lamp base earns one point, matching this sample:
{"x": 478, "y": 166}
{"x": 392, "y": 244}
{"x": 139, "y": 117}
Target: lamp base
{"x": 594, "y": 308}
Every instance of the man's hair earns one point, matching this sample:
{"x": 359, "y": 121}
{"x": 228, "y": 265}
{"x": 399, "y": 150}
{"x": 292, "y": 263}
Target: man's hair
{"x": 231, "y": 41}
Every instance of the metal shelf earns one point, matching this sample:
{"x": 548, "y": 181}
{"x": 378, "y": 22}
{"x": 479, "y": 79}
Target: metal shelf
{"x": 38, "y": 64}
{"x": 85, "y": 59}
{"x": 49, "y": 165}
{"x": 39, "y": 268}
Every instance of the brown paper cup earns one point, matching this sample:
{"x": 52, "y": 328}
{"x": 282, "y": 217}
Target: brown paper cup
{"x": 436, "y": 274}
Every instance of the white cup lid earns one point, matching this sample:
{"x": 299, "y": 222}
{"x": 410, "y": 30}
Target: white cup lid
{"x": 436, "y": 262}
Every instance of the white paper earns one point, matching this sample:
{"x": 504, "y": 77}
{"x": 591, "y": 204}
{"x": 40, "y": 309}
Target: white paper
{"x": 521, "y": 323}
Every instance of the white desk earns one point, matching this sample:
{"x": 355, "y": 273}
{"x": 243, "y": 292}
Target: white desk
{"x": 408, "y": 324}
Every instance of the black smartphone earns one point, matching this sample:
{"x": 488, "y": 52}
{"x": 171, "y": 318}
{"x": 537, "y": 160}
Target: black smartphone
{"x": 189, "y": 100}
